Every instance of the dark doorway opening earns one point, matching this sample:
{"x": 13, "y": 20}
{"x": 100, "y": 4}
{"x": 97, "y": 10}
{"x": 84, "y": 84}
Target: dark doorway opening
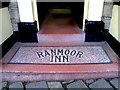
{"x": 77, "y": 9}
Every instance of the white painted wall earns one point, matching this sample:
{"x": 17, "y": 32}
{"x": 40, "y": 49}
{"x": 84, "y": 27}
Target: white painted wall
{"x": 25, "y": 10}
{"x": 119, "y": 23}
{"x": 95, "y": 10}
{"x": 114, "y": 27}
{"x": 86, "y": 7}
{"x": 35, "y": 13}
{"x": 5, "y": 25}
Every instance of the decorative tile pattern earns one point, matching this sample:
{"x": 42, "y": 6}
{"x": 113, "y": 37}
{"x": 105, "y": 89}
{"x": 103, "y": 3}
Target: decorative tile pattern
{"x": 61, "y": 55}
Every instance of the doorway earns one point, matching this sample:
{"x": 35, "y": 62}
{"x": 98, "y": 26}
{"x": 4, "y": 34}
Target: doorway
{"x": 76, "y": 8}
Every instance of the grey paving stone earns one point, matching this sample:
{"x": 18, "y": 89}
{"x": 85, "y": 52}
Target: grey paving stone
{"x": 4, "y": 89}
{"x": 55, "y": 85}
{"x": 16, "y": 85}
{"x": 3, "y": 85}
{"x": 68, "y": 81}
{"x": 77, "y": 85}
{"x": 101, "y": 83}
{"x": 89, "y": 81}
{"x": 115, "y": 82}
{"x": 36, "y": 85}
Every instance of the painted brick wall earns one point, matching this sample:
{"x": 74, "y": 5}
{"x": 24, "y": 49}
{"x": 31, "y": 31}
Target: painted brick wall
{"x": 107, "y": 13}
{"x": 14, "y": 15}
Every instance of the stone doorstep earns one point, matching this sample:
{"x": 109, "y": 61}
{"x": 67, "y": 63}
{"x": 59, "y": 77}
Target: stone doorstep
{"x": 57, "y": 76}
{"x": 29, "y": 72}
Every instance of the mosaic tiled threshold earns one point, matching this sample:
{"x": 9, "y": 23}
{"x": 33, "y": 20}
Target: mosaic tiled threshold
{"x": 60, "y": 55}
{"x": 31, "y": 61}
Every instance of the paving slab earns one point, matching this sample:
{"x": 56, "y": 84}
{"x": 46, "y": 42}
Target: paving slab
{"x": 115, "y": 82}
{"x": 77, "y": 85}
{"x": 68, "y": 81}
{"x": 89, "y": 81}
{"x": 3, "y": 85}
{"x": 55, "y": 85}
{"x": 16, "y": 85}
{"x": 101, "y": 83}
{"x": 4, "y": 89}
{"x": 36, "y": 85}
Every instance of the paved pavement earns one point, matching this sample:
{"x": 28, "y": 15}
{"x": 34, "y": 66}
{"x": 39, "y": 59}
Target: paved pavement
{"x": 90, "y": 84}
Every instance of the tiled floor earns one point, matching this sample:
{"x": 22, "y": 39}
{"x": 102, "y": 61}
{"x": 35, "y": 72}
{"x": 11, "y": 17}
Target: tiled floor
{"x": 60, "y": 30}
{"x": 59, "y": 25}
{"x": 75, "y": 55}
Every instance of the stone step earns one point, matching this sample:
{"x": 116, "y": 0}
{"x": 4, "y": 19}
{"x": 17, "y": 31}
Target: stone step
{"x": 32, "y": 70}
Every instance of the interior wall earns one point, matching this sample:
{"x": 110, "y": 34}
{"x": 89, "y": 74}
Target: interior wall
{"x": 5, "y": 25}
{"x": 114, "y": 27}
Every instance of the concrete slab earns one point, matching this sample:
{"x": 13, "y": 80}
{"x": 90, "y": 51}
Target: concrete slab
{"x": 36, "y": 85}
{"x": 77, "y": 85}
{"x": 16, "y": 85}
{"x": 115, "y": 83}
{"x": 3, "y": 85}
{"x": 100, "y": 84}
{"x": 55, "y": 85}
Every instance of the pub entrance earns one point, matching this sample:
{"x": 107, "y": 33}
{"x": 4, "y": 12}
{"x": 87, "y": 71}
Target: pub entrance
{"x": 60, "y": 21}
{"x": 76, "y": 10}
{"x": 59, "y": 53}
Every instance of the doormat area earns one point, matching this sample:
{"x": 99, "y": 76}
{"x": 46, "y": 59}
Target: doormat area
{"x": 60, "y": 55}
